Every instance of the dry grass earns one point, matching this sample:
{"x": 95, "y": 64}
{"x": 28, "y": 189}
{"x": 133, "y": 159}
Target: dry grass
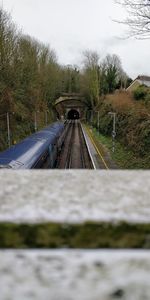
{"x": 123, "y": 101}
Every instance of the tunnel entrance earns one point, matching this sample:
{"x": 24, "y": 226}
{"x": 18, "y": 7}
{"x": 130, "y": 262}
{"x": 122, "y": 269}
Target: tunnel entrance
{"x": 73, "y": 114}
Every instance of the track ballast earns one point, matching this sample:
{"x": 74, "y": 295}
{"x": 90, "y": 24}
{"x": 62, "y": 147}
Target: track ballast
{"x": 75, "y": 153}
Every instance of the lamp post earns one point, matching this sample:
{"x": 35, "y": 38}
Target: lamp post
{"x": 46, "y": 118}
{"x": 35, "y": 120}
{"x": 8, "y": 128}
{"x": 98, "y": 121}
{"x": 113, "y": 114}
{"x": 91, "y": 116}
{"x": 7, "y": 115}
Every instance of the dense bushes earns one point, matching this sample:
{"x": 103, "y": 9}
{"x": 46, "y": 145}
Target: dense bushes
{"x": 132, "y": 122}
{"x": 141, "y": 92}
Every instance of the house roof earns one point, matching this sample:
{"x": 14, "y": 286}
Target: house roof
{"x": 142, "y": 79}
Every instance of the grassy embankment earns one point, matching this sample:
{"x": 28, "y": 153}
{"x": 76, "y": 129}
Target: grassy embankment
{"x": 132, "y": 143}
{"x": 123, "y": 157}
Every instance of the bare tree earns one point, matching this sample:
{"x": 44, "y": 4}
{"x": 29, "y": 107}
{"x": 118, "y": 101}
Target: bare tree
{"x": 91, "y": 78}
{"x": 138, "y": 20}
{"x": 91, "y": 59}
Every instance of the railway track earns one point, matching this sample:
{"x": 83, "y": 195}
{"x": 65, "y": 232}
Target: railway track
{"x": 75, "y": 153}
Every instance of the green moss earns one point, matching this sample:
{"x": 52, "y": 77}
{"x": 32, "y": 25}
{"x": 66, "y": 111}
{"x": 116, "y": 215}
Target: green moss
{"x": 87, "y": 235}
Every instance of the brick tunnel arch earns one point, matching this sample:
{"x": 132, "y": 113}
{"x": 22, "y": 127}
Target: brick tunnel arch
{"x": 73, "y": 114}
{"x": 69, "y": 104}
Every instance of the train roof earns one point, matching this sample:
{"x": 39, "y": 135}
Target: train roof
{"x": 27, "y": 152}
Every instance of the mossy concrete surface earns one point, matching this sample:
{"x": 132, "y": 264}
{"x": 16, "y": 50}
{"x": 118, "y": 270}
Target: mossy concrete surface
{"x": 88, "y": 235}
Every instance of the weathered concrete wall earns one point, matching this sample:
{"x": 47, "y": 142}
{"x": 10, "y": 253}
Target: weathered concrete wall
{"x": 74, "y": 274}
{"x": 74, "y": 196}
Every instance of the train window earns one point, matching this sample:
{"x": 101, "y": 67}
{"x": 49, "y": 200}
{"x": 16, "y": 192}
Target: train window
{"x": 42, "y": 161}
{"x": 51, "y": 155}
{"x": 45, "y": 162}
{"x": 48, "y": 159}
{"x": 50, "y": 148}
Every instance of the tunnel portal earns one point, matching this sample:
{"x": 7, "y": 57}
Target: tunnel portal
{"x": 71, "y": 106}
{"x": 73, "y": 114}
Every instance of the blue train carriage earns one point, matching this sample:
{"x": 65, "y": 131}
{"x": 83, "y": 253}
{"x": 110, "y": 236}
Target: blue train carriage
{"x": 40, "y": 150}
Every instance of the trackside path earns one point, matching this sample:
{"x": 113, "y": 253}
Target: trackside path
{"x": 100, "y": 154}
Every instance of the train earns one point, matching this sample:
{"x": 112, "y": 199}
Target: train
{"x": 38, "y": 151}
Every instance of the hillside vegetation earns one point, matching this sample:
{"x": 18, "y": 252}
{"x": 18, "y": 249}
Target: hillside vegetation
{"x": 132, "y": 124}
{"x": 104, "y": 86}
{"x": 31, "y": 79}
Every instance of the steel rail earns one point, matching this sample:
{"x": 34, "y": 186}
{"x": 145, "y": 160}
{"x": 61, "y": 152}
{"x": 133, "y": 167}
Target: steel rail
{"x": 75, "y": 151}
{"x": 69, "y": 153}
{"x": 82, "y": 143}
{"x": 88, "y": 149}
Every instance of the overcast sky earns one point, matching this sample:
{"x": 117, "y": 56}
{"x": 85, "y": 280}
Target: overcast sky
{"x": 71, "y": 26}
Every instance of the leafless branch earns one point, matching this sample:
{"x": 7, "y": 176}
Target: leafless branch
{"x": 138, "y": 20}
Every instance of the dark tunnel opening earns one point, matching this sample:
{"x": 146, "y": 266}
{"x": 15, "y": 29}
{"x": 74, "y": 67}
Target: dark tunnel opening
{"x": 73, "y": 114}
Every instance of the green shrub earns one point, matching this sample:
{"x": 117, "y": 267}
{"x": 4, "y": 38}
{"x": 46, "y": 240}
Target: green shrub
{"x": 147, "y": 98}
{"x": 132, "y": 122}
{"x": 140, "y": 93}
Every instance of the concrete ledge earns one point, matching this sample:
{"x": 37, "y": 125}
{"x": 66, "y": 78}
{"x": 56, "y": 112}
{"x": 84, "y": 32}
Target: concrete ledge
{"x": 74, "y": 196}
{"x": 74, "y": 274}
